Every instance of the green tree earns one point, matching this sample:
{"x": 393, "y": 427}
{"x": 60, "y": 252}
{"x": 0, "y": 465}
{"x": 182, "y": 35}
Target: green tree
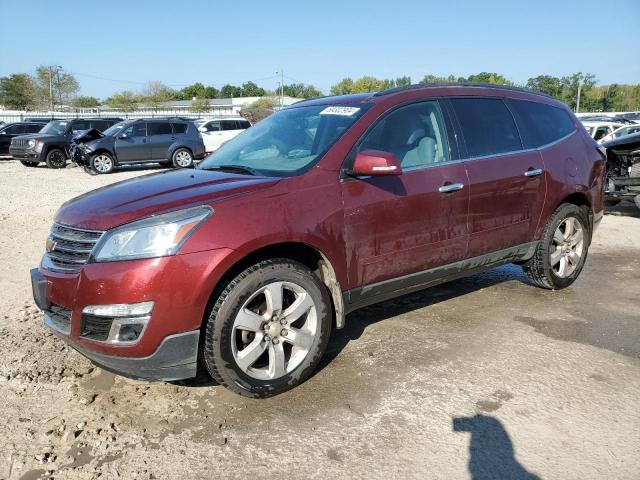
{"x": 156, "y": 93}
{"x": 199, "y": 105}
{"x": 250, "y": 89}
{"x": 265, "y": 102}
{"x": 487, "y": 77}
{"x": 569, "y": 92}
{"x": 211, "y": 92}
{"x": 404, "y": 81}
{"x": 610, "y": 98}
{"x": 369, "y": 84}
{"x": 300, "y": 90}
{"x": 18, "y": 91}
{"x": 343, "y": 87}
{"x": 230, "y": 91}
{"x": 85, "y": 102}
{"x": 64, "y": 85}
{"x": 193, "y": 91}
{"x": 126, "y": 101}
{"x": 428, "y": 79}
{"x": 546, "y": 84}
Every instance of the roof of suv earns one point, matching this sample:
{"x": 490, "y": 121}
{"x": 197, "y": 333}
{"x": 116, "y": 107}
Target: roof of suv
{"x": 373, "y": 96}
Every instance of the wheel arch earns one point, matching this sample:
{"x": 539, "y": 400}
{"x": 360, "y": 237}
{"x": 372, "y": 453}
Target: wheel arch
{"x": 176, "y": 146}
{"x": 108, "y": 152}
{"x": 301, "y": 252}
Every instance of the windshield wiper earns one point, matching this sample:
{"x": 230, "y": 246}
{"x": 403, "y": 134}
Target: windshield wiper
{"x": 233, "y": 169}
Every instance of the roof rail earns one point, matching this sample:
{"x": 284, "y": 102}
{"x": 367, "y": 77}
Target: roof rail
{"x": 415, "y": 86}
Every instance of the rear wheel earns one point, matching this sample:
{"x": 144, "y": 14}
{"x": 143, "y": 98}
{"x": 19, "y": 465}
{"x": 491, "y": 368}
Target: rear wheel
{"x": 56, "y": 158}
{"x": 102, "y": 163}
{"x": 29, "y": 164}
{"x": 563, "y": 248}
{"x": 182, "y": 158}
{"x": 268, "y": 329}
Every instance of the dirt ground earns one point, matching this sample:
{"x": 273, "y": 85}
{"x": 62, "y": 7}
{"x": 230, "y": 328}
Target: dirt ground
{"x": 485, "y": 377}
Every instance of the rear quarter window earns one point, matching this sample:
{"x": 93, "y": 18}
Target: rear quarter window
{"x": 541, "y": 124}
{"x": 179, "y": 127}
{"x": 487, "y": 126}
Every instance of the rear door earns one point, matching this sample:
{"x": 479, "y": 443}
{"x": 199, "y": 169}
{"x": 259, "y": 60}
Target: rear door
{"x": 135, "y": 147}
{"x": 161, "y": 137}
{"x": 212, "y": 137}
{"x": 507, "y": 184}
{"x": 398, "y": 225}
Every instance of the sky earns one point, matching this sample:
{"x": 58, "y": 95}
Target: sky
{"x": 112, "y": 46}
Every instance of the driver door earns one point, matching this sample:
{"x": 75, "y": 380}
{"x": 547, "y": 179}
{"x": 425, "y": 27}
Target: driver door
{"x": 135, "y": 147}
{"x": 399, "y": 225}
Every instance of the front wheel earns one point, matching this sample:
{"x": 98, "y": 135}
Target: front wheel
{"x": 102, "y": 163}
{"x": 562, "y": 251}
{"x": 268, "y": 329}
{"x": 182, "y": 158}
{"x": 56, "y": 158}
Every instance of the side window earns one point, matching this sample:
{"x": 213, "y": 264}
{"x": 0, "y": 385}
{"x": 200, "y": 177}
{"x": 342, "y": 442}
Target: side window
{"x": 100, "y": 125}
{"x": 243, "y": 124}
{"x": 160, "y": 128}
{"x": 541, "y": 124}
{"x": 79, "y": 126}
{"x": 14, "y": 130}
{"x": 601, "y": 132}
{"x": 179, "y": 127}
{"x": 415, "y": 134}
{"x": 228, "y": 124}
{"x": 213, "y": 127}
{"x": 137, "y": 130}
{"x": 487, "y": 126}
{"x": 33, "y": 128}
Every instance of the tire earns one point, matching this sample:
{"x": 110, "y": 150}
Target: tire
{"x": 182, "y": 158}
{"x": 568, "y": 251}
{"x": 298, "y": 341}
{"x": 102, "y": 163}
{"x": 56, "y": 158}
{"x": 29, "y": 164}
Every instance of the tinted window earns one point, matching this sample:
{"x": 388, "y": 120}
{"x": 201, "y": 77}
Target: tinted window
{"x": 160, "y": 128}
{"x": 137, "y": 130}
{"x": 213, "y": 126}
{"x": 601, "y": 132}
{"x": 243, "y": 124}
{"x": 80, "y": 125}
{"x": 99, "y": 124}
{"x": 487, "y": 126}
{"x": 33, "y": 128}
{"x": 228, "y": 124}
{"x": 415, "y": 134}
{"x": 13, "y": 129}
{"x": 541, "y": 124}
{"x": 179, "y": 127}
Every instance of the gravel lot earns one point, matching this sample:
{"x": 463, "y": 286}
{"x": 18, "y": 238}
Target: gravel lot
{"x": 485, "y": 377}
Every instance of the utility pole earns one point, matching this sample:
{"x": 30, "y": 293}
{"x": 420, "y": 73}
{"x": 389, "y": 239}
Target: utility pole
{"x": 578, "y": 99}
{"x": 58, "y": 68}
{"x": 281, "y": 73}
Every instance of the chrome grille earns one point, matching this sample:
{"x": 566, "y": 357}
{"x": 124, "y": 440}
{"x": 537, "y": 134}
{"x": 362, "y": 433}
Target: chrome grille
{"x": 19, "y": 142}
{"x": 69, "y": 248}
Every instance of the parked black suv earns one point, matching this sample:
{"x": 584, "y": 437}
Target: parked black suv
{"x": 51, "y": 144}
{"x": 11, "y": 130}
{"x": 172, "y": 141}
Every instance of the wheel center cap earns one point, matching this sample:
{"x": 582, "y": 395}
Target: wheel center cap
{"x": 274, "y": 329}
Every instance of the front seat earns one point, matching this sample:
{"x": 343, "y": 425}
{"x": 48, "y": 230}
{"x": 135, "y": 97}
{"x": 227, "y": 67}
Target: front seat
{"x": 423, "y": 154}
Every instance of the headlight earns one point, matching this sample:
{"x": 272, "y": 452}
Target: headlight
{"x": 31, "y": 143}
{"x": 158, "y": 236}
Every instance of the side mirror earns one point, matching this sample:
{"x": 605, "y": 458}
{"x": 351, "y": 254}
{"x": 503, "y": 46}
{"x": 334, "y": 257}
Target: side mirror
{"x": 123, "y": 136}
{"x": 202, "y": 129}
{"x": 376, "y": 163}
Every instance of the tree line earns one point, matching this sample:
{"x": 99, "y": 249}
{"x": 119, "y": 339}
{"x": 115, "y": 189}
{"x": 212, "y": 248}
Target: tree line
{"x": 50, "y": 86}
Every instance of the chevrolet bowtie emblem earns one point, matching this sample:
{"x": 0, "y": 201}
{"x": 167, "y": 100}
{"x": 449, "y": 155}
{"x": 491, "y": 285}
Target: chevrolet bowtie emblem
{"x": 51, "y": 244}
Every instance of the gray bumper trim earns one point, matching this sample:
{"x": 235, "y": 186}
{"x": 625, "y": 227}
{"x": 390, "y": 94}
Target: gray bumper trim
{"x": 175, "y": 359}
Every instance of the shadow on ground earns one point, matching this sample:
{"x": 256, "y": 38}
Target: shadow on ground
{"x": 491, "y": 454}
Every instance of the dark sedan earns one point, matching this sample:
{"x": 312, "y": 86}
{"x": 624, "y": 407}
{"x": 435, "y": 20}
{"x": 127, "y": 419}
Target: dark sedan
{"x": 10, "y": 130}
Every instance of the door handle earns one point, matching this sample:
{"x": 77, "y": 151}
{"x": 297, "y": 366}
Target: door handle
{"x": 533, "y": 173}
{"x": 452, "y": 187}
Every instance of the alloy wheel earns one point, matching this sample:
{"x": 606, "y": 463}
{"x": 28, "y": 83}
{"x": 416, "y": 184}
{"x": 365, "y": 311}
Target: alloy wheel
{"x": 103, "y": 163}
{"x": 274, "y": 331}
{"x": 183, "y": 158}
{"x": 567, "y": 247}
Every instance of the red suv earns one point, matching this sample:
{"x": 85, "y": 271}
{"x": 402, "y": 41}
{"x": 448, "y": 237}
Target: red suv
{"x": 245, "y": 264}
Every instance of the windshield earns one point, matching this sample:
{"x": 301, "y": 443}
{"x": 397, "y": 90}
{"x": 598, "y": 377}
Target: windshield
{"x": 55, "y": 127}
{"x": 113, "y": 130}
{"x": 287, "y": 142}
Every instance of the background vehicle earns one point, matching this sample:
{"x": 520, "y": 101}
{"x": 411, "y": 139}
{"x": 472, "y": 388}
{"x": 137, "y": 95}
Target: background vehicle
{"x": 51, "y": 144}
{"x": 633, "y": 116}
{"x": 216, "y": 132}
{"x": 167, "y": 141}
{"x": 11, "y": 130}
{"x": 606, "y": 118}
{"x": 599, "y": 129}
{"x": 621, "y": 132}
{"x": 623, "y": 169}
{"x": 247, "y": 262}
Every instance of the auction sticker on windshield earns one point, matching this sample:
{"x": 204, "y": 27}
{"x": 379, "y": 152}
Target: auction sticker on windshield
{"x": 336, "y": 110}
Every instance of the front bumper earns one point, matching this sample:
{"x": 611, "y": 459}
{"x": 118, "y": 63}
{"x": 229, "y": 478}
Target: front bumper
{"x": 25, "y": 154}
{"x": 179, "y": 285}
{"x": 618, "y": 188}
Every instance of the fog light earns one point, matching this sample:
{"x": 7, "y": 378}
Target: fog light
{"x": 129, "y": 332}
{"x": 120, "y": 323}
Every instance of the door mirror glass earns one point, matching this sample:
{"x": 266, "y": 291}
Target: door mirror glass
{"x": 124, "y": 135}
{"x": 376, "y": 163}
{"x": 203, "y": 129}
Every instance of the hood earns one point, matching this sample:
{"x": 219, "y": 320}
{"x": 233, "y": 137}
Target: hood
{"x": 87, "y": 136}
{"x": 140, "y": 197}
{"x": 628, "y": 142}
{"x": 41, "y": 136}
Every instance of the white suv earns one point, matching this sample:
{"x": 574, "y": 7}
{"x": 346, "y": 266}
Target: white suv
{"x": 216, "y": 132}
